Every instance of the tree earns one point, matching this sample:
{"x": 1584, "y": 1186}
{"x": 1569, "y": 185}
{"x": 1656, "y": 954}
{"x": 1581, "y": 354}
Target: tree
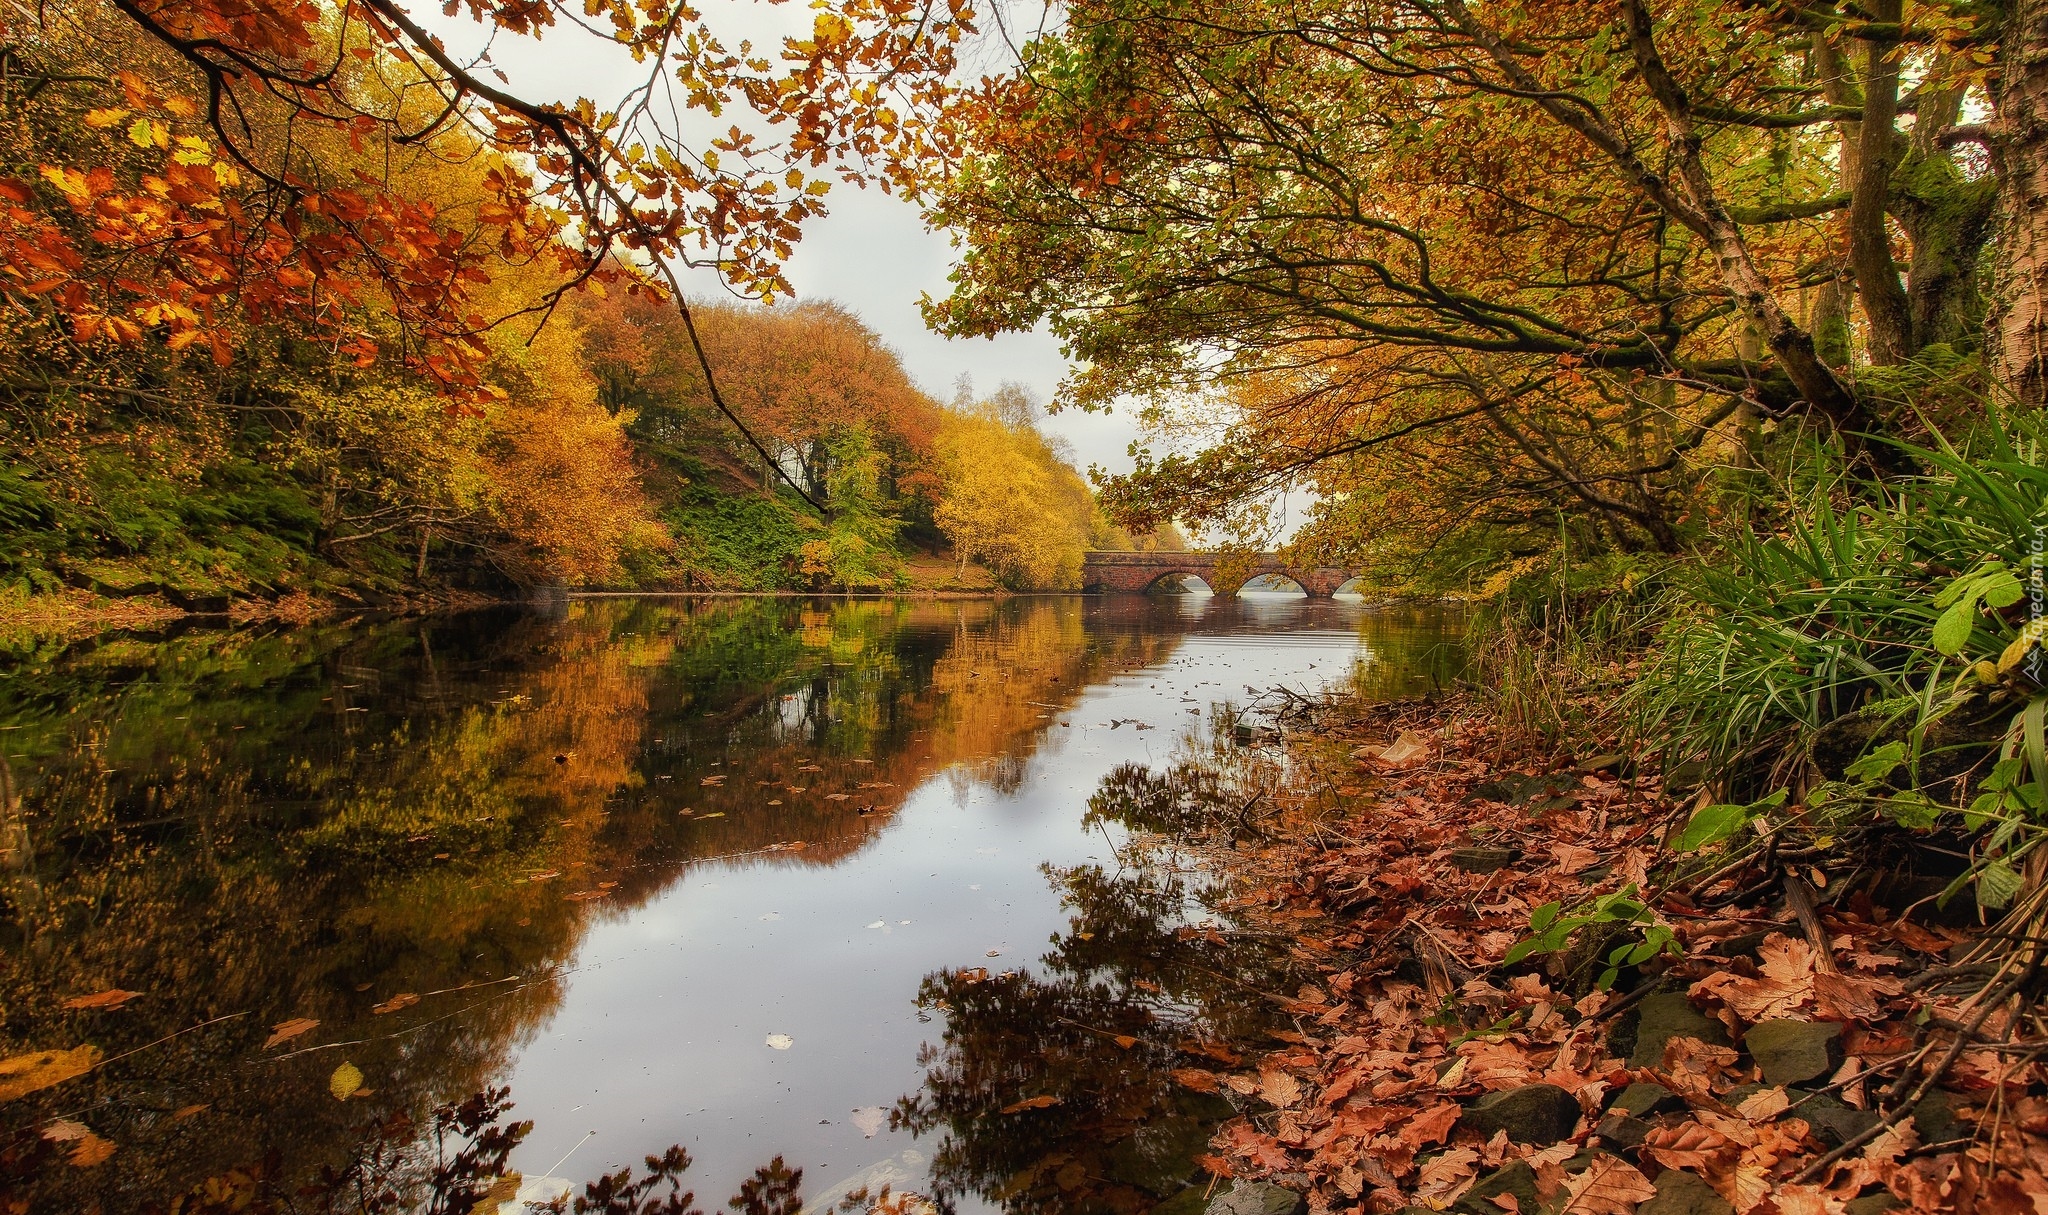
{"x": 1599, "y": 243}
{"x": 212, "y": 196}
{"x": 1006, "y": 497}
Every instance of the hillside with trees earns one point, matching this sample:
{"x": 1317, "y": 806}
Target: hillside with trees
{"x": 213, "y": 398}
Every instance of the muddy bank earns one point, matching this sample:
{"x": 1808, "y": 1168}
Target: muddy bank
{"x": 1517, "y": 1005}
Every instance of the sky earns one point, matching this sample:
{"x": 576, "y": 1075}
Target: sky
{"x": 872, "y": 253}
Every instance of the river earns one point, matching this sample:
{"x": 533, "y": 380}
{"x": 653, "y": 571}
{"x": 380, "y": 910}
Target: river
{"x": 832, "y": 886}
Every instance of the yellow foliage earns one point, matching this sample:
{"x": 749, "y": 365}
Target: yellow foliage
{"x": 1009, "y": 501}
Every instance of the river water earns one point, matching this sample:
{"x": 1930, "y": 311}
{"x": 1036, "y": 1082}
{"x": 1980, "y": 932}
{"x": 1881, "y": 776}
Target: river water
{"x": 832, "y": 886}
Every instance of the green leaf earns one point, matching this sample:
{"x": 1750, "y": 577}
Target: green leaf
{"x": 2001, "y": 589}
{"x": 1540, "y": 918}
{"x": 1710, "y": 824}
{"x": 1997, "y": 884}
{"x": 1878, "y": 764}
{"x": 1952, "y": 630}
{"x": 1919, "y": 811}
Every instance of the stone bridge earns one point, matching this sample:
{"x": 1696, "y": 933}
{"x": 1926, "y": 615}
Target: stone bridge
{"x": 1133, "y": 573}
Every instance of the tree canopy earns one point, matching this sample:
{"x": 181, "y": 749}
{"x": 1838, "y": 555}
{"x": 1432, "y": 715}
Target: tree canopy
{"x": 1550, "y": 258}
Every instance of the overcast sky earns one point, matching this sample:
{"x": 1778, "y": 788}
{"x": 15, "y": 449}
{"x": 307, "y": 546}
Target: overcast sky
{"x": 871, "y": 253}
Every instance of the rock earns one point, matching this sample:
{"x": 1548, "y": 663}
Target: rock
{"x": 1159, "y": 1156}
{"x": 1834, "y": 1123}
{"x": 1483, "y": 860}
{"x": 1408, "y": 750}
{"x": 1643, "y": 1100}
{"x": 1623, "y": 1130}
{"x": 1190, "y": 1201}
{"x": 1540, "y": 1114}
{"x": 1668, "y": 1015}
{"x": 1935, "y": 1118}
{"x": 1790, "y": 1051}
{"x": 1871, "y": 1204}
{"x": 1681, "y": 1193}
{"x": 1517, "y": 1179}
{"x": 1259, "y": 1198}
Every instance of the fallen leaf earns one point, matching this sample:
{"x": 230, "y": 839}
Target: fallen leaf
{"x": 1688, "y": 1146}
{"x": 346, "y": 1081}
{"x": 870, "y": 1119}
{"x": 1194, "y": 1078}
{"x": 285, "y": 1031}
{"x": 1764, "y": 1105}
{"x": 190, "y": 1111}
{"x": 781, "y": 1041}
{"x": 91, "y": 1150}
{"x": 1445, "y": 1177}
{"x": 110, "y": 999}
{"x": 402, "y": 1000}
{"x": 1609, "y": 1186}
{"x": 1043, "y": 1101}
{"x": 38, "y": 1070}
{"x": 1279, "y": 1089}
{"x": 64, "y": 1130}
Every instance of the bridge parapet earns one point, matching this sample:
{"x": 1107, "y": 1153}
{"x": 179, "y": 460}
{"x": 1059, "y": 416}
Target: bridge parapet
{"x": 1135, "y": 573}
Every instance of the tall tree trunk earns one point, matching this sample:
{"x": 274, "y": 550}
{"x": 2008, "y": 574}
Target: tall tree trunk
{"x": 1885, "y": 304}
{"x": 2019, "y": 318}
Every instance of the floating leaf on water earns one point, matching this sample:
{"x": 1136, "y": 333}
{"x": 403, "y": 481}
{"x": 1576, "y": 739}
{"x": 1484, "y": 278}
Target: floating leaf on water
{"x": 504, "y": 1189}
{"x": 110, "y": 999}
{"x": 38, "y": 1070}
{"x": 878, "y": 924}
{"x": 1031, "y": 1103}
{"x": 285, "y": 1031}
{"x": 87, "y": 1148}
{"x": 837, "y": 797}
{"x": 713, "y": 814}
{"x": 346, "y": 1081}
{"x": 402, "y": 1000}
{"x": 584, "y": 896}
{"x": 781, "y": 1041}
{"x": 870, "y": 1119}
{"x": 190, "y": 1111}
{"x": 91, "y": 1150}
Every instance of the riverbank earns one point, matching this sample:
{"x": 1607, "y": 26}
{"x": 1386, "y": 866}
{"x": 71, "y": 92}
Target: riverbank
{"x": 1804, "y": 1032}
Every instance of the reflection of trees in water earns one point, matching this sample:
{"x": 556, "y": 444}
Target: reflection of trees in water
{"x": 454, "y": 1162}
{"x": 1410, "y": 650}
{"x": 268, "y": 824}
{"x": 1052, "y": 1089}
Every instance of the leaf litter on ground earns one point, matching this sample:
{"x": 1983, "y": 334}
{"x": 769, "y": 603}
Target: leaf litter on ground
{"x": 1405, "y": 905}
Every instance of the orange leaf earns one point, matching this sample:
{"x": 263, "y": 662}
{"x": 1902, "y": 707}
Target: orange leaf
{"x": 285, "y": 1031}
{"x": 1194, "y": 1078}
{"x": 1030, "y": 1103}
{"x": 111, "y": 998}
{"x": 402, "y": 1000}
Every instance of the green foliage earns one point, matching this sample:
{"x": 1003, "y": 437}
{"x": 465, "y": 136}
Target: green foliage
{"x": 1880, "y": 642}
{"x": 1552, "y": 928}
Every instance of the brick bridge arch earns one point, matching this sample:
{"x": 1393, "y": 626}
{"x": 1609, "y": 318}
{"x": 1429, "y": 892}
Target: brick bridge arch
{"x": 1134, "y": 573}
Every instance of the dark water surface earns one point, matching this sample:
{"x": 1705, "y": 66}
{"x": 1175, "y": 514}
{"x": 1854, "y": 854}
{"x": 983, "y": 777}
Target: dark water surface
{"x": 839, "y": 882}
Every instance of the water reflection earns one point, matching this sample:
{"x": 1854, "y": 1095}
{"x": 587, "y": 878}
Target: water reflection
{"x": 1053, "y": 1087}
{"x": 451, "y": 853}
